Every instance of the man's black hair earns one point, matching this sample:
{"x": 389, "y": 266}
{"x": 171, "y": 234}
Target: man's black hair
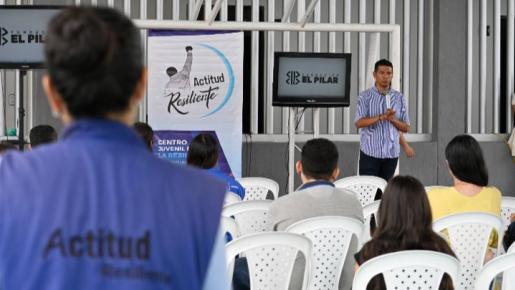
{"x": 203, "y": 151}
{"x": 319, "y": 158}
{"x": 382, "y": 62}
{"x": 94, "y": 58}
{"x": 42, "y": 134}
{"x": 145, "y": 132}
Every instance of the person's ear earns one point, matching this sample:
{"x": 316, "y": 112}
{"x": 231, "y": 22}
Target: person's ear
{"x": 298, "y": 167}
{"x": 54, "y": 99}
{"x": 336, "y": 173}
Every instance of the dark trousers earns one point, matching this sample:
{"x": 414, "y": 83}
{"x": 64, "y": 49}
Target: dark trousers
{"x": 384, "y": 168}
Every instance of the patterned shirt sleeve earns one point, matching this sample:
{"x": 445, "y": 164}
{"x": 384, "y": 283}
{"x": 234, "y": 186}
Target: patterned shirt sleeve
{"x": 361, "y": 109}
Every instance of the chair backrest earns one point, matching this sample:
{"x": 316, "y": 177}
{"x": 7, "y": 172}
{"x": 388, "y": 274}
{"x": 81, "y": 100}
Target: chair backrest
{"x": 469, "y": 234}
{"x": 504, "y": 264}
{"x": 270, "y": 258}
{"x": 251, "y": 216}
{"x": 231, "y": 197}
{"x": 368, "y": 211}
{"x": 331, "y": 237}
{"x": 364, "y": 186}
{"x": 508, "y": 280}
{"x": 507, "y": 208}
{"x": 230, "y": 227}
{"x": 417, "y": 269}
{"x": 257, "y": 188}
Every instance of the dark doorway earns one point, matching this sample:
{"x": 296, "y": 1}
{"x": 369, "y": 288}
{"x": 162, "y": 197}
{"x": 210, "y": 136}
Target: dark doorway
{"x": 503, "y": 96}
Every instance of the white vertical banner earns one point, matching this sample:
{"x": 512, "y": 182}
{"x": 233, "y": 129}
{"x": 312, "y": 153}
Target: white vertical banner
{"x": 195, "y": 84}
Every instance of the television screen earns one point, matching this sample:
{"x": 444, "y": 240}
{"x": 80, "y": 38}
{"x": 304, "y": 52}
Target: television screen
{"x": 311, "y": 79}
{"x": 22, "y": 34}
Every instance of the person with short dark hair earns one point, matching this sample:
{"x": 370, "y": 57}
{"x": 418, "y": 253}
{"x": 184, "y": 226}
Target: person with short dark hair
{"x": 405, "y": 223}
{"x": 317, "y": 196}
{"x": 42, "y": 134}
{"x": 96, "y": 209}
{"x": 203, "y": 153}
{"x": 145, "y": 132}
{"x": 470, "y": 192}
{"x": 382, "y": 115}
{"x": 6, "y": 146}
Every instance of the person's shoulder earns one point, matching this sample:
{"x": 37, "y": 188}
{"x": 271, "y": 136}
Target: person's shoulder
{"x": 492, "y": 191}
{"x": 367, "y": 93}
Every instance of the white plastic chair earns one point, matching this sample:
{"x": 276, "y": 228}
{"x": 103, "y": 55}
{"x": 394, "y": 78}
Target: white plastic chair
{"x": 257, "y": 188}
{"x": 417, "y": 269}
{"x": 469, "y": 234}
{"x": 368, "y": 211}
{"x": 504, "y": 264}
{"x": 231, "y": 197}
{"x": 270, "y": 258}
{"x": 230, "y": 226}
{"x": 507, "y": 208}
{"x": 251, "y": 216}
{"x": 364, "y": 186}
{"x": 331, "y": 237}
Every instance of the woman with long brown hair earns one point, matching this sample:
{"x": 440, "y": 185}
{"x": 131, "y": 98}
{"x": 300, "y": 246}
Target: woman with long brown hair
{"x": 405, "y": 223}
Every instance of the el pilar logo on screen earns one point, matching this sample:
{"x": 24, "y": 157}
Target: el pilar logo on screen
{"x": 20, "y": 36}
{"x": 295, "y": 77}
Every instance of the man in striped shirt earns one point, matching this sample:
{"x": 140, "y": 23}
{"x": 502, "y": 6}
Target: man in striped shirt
{"x": 381, "y": 115}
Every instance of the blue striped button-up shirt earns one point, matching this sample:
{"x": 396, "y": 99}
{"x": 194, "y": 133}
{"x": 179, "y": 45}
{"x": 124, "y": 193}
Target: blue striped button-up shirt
{"x": 380, "y": 140}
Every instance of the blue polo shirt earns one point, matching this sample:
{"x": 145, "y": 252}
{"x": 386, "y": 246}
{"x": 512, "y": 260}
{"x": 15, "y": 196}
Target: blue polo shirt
{"x": 98, "y": 211}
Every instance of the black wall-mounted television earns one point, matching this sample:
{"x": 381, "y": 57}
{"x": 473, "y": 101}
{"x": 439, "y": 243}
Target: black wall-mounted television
{"x": 22, "y": 35}
{"x": 311, "y": 79}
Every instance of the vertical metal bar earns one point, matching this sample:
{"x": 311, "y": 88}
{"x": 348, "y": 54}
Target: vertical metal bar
{"x": 362, "y": 46}
{"x": 391, "y": 21}
{"x": 143, "y": 9}
{"x": 176, "y": 10}
{"x": 302, "y": 21}
{"x": 420, "y": 67}
{"x": 224, "y": 11}
{"x": 94, "y": 2}
{"x": 143, "y": 108}
{"x": 159, "y": 10}
{"x": 191, "y": 8}
{"x": 110, "y": 3}
{"x": 291, "y": 149}
{"x": 377, "y": 11}
{"x": 286, "y": 47}
{"x": 396, "y": 56}
{"x": 406, "y": 52}
{"x": 470, "y": 67}
{"x": 510, "y": 51}
{"x": 239, "y": 10}
{"x": 430, "y": 56}
{"x": 482, "y": 68}
{"x": 301, "y": 46}
{"x": 316, "y": 48}
{"x": 127, "y": 7}
{"x": 332, "y": 48}
{"x": 497, "y": 63}
{"x": 269, "y": 70}
{"x": 347, "y": 49}
{"x": 254, "y": 95}
{"x": 77, "y": 2}
{"x": 207, "y": 8}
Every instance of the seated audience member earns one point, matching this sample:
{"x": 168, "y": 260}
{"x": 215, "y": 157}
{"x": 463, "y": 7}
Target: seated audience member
{"x": 509, "y": 235}
{"x": 317, "y": 196}
{"x": 203, "y": 153}
{"x": 42, "y": 134}
{"x": 470, "y": 192}
{"x": 4, "y": 147}
{"x": 146, "y": 133}
{"x": 96, "y": 209}
{"x": 405, "y": 223}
